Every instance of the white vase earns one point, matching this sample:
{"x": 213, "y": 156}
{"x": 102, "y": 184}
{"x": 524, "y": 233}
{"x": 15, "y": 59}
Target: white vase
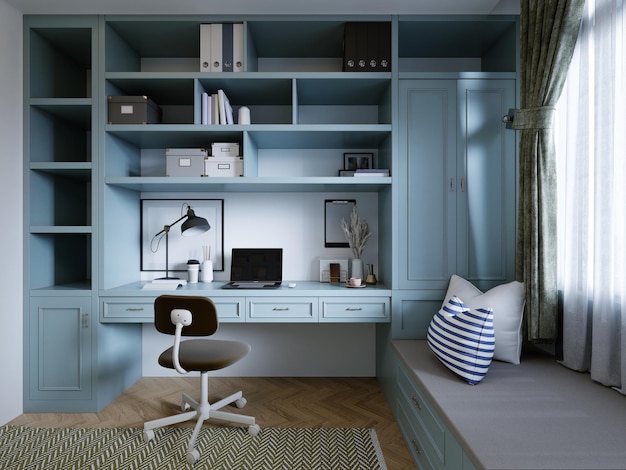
{"x": 357, "y": 268}
{"x": 206, "y": 271}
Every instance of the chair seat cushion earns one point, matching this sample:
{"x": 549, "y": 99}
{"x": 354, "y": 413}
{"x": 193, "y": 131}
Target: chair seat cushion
{"x": 205, "y": 354}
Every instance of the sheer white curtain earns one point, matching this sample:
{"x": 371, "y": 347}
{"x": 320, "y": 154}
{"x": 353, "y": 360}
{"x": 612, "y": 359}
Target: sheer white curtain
{"x": 591, "y": 153}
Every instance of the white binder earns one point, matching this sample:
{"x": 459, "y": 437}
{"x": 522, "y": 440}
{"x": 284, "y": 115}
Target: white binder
{"x": 205, "y": 48}
{"x": 216, "y": 47}
{"x": 238, "y": 59}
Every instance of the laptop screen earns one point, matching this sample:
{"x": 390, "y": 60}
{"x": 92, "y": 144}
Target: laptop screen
{"x": 257, "y": 264}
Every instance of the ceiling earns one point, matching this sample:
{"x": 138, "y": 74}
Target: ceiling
{"x": 269, "y": 7}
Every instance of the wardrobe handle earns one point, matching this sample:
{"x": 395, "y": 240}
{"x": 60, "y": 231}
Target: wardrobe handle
{"x": 451, "y": 184}
{"x": 416, "y": 403}
{"x": 462, "y": 184}
{"x": 416, "y": 447}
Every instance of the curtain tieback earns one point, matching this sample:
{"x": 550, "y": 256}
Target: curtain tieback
{"x": 540, "y": 117}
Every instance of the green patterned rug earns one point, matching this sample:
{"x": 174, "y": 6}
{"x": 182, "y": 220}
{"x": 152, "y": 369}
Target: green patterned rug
{"x": 224, "y": 448}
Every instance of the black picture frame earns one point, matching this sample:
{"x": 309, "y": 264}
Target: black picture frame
{"x": 358, "y": 161}
{"x": 334, "y": 211}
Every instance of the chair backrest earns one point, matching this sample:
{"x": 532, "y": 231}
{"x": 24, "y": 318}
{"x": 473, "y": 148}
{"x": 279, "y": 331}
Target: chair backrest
{"x": 203, "y": 311}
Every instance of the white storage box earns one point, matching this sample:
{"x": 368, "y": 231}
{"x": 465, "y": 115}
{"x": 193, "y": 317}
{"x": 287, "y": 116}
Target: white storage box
{"x": 223, "y": 166}
{"x": 185, "y": 162}
{"x": 225, "y": 149}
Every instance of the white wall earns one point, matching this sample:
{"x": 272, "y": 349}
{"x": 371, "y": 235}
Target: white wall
{"x": 11, "y": 401}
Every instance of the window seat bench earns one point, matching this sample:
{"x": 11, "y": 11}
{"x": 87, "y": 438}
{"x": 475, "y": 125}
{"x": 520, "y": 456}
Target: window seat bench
{"x": 534, "y": 416}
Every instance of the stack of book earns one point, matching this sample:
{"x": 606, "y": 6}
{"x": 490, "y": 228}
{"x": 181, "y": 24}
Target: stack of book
{"x": 372, "y": 172}
{"x": 216, "y": 108}
{"x": 165, "y": 284}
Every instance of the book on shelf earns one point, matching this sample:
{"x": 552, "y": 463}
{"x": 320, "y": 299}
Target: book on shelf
{"x": 372, "y": 172}
{"x": 207, "y": 108}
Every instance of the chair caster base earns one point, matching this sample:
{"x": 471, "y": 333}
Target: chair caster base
{"x": 193, "y": 456}
{"x": 254, "y": 430}
{"x": 148, "y": 435}
{"x": 241, "y": 402}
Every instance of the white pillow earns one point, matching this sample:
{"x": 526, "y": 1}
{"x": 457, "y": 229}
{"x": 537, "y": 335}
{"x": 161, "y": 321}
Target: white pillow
{"x": 507, "y": 303}
{"x": 463, "y": 339}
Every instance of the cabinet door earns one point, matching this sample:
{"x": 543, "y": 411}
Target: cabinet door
{"x": 486, "y": 193}
{"x": 60, "y": 337}
{"x": 427, "y": 150}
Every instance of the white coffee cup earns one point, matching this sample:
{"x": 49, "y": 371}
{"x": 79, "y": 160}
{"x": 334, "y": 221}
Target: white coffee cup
{"x": 355, "y": 281}
{"x": 193, "y": 267}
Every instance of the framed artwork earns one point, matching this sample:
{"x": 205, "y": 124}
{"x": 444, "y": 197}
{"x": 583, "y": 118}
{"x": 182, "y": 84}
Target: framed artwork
{"x": 334, "y": 211}
{"x": 358, "y": 161}
{"x": 157, "y": 213}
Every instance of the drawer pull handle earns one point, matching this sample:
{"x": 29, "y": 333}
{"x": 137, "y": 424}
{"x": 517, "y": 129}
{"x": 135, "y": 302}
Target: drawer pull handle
{"x": 353, "y": 309}
{"x": 280, "y": 309}
{"x": 416, "y": 447}
{"x": 134, "y": 309}
{"x": 416, "y": 403}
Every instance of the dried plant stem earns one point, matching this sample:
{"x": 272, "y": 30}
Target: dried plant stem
{"x": 357, "y": 233}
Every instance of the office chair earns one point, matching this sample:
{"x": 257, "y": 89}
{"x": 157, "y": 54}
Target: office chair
{"x": 197, "y": 316}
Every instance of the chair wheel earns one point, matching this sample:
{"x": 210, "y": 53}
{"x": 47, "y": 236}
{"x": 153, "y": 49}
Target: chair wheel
{"x": 148, "y": 435}
{"x": 193, "y": 456}
{"x": 184, "y": 406}
{"x": 254, "y": 430}
{"x": 241, "y": 402}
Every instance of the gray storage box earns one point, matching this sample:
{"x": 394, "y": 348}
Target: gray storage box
{"x": 223, "y": 166}
{"x": 132, "y": 110}
{"x": 225, "y": 149}
{"x": 185, "y": 162}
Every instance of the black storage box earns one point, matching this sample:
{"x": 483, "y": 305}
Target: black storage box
{"x": 132, "y": 110}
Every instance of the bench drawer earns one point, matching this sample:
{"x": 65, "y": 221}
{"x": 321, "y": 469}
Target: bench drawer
{"x": 431, "y": 431}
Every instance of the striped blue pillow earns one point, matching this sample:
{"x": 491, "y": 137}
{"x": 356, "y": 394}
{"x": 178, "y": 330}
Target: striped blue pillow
{"x": 463, "y": 339}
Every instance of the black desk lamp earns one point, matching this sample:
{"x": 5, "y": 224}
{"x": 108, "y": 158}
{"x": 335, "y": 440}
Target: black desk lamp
{"x": 194, "y": 225}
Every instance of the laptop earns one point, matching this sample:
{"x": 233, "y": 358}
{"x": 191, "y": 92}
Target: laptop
{"x": 256, "y": 268}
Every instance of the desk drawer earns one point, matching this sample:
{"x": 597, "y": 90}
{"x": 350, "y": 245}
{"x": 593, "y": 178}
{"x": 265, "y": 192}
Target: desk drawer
{"x": 355, "y": 309}
{"x": 127, "y": 310}
{"x": 282, "y": 309}
{"x": 141, "y": 309}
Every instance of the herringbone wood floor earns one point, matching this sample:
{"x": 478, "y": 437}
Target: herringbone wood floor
{"x": 275, "y": 402}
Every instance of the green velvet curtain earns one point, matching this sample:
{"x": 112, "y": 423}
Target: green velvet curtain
{"x": 549, "y": 29}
